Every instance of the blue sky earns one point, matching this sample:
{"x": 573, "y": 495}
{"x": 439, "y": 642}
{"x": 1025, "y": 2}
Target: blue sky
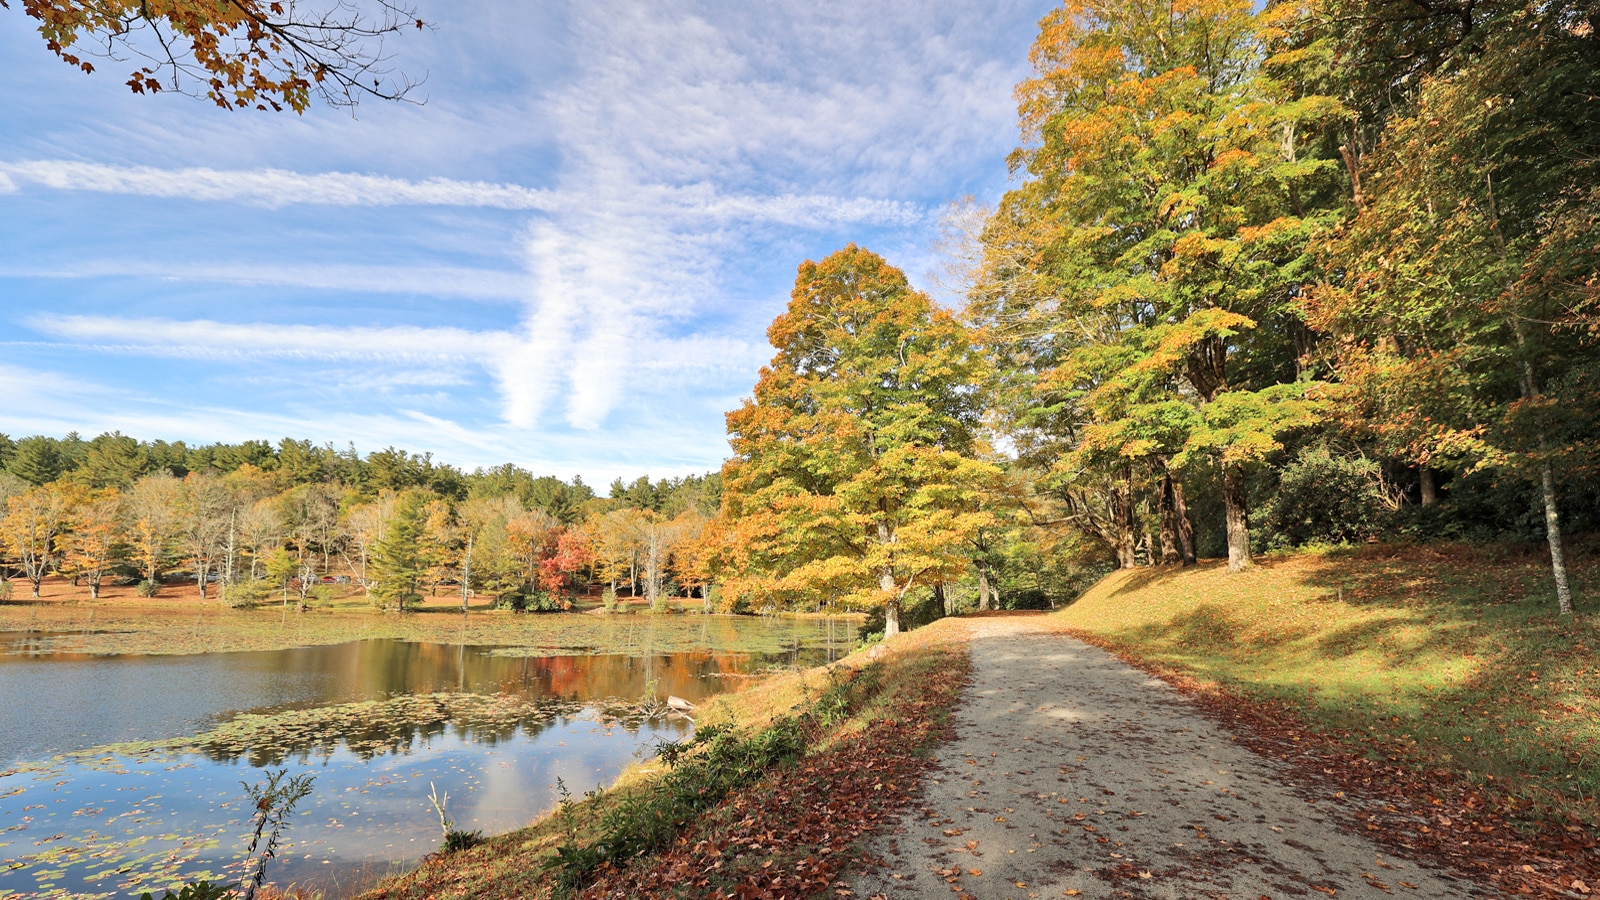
{"x": 566, "y": 258}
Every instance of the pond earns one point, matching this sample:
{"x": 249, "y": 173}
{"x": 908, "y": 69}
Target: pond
{"x": 121, "y": 773}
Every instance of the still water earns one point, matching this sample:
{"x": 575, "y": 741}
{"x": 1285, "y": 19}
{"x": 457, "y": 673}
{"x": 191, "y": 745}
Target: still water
{"x": 81, "y": 816}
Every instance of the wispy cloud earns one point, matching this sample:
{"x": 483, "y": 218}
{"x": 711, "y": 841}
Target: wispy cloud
{"x": 219, "y": 340}
{"x": 277, "y": 188}
{"x": 435, "y": 281}
{"x": 273, "y": 187}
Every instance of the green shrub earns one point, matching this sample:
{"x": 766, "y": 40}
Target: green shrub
{"x": 527, "y": 599}
{"x": 319, "y": 595}
{"x": 5, "y": 589}
{"x": 609, "y": 597}
{"x": 1324, "y": 498}
{"x": 701, "y": 771}
{"x": 147, "y": 588}
{"x": 248, "y": 593}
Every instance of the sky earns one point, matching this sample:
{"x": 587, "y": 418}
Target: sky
{"x": 565, "y": 258}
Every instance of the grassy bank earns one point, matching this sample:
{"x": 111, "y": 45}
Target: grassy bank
{"x": 1441, "y": 673}
{"x": 802, "y": 767}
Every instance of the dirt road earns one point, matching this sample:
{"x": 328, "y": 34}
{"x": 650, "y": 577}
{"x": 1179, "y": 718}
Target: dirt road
{"x": 1074, "y": 774}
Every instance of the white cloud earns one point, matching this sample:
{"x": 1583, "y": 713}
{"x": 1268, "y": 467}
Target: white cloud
{"x": 276, "y": 188}
{"x": 273, "y": 187}
{"x": 435, "y": 281}
{"x": 218, "y": 340}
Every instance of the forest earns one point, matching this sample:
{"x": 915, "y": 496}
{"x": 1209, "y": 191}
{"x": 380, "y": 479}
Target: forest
{"x": 290, "y": 521}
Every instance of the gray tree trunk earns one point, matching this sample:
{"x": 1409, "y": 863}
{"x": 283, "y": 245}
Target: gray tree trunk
{"x": 1233, "y": 498}
{"x": 1428, "y": 485}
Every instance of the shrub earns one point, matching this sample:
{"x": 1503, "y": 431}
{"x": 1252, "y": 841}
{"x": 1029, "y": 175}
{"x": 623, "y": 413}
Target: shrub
{"x": 609, "y": 597}
{"x": 1325, "y": 498}
{"x": 5, "y": 589}
{"x": 248, "y": 593}
{"x": 319, "y": 595}
{"x": 527, "y": 599}
{"x": 147, "y": 588}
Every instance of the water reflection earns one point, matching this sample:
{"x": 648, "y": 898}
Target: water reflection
{"x": 494, "y": 725}
{"x": 96, "y": 700}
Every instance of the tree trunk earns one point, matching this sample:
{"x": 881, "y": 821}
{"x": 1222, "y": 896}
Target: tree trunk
{"x": 1552, "y": 533}
{"x": 1127, "y": 537}
{"x": 1429, "y": 487}
{"x": 1169, "y": 529}
{"x": 891, "y": 609}
{"x": 1180, "y": 518}
{"x": 941, "y": 599}
{"x": 466, "y": 575}
{"x": 1547, "y": 486}
{"x": 983, "y": 589}
{"x": 1233, "y": 497}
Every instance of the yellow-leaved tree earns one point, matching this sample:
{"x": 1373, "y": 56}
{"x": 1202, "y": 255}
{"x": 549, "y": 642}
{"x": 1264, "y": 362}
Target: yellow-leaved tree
{"x": 853, "y": 479}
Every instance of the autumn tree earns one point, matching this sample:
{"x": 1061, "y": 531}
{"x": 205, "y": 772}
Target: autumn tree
{"x": 237, "y": 53}
{"x": 205, "y": 516}
{"x": 92, "y": 543}
{"x": 851, "y": 475}
{"x": 1174, "y": 187}
{"x": 365, "y": 527}
{"x": 568, "y": 559}
{"x": 1465, "y": 308}
{"x": 31, "y": 528}
{"x": 152, "y": 506}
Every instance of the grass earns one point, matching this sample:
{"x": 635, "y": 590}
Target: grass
{"x": 1449, "y": 657}
{"x": 805, "y": 764}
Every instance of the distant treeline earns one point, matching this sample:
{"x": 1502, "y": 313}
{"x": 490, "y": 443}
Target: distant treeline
{"x": 254, "y": 519}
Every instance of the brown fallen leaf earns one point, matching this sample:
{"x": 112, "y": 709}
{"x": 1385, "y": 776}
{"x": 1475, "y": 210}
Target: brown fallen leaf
{"x": 974, "y": 872}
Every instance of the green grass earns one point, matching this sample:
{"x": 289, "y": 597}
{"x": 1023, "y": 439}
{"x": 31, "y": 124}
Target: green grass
{"x": 1447, "y": 656}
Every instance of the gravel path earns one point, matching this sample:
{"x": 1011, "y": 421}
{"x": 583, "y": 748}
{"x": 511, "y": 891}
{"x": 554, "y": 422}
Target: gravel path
{"x": 1074, "y": 774}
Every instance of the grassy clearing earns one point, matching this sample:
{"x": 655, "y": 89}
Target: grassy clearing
{"x": 788, "y": 824}
{"x": 1447, "y": 657}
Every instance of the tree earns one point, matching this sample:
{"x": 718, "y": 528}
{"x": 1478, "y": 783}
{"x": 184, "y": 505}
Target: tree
{"x": 92, "y": 542}
{"x": 617, "y": 537}
{"x": 205, "y": 518}
{"x": 851, "y": 472}
{"x": 153, "y": 507}
{"x": 32, "y": 525}
{"x": 397, "y": 567}
{"x": 558, "y": 572}
{"x": 1175, "y": 186}
{"x": 236, "y": 53}
{"x": 112, "y": 460}
{"x": 37, "y": 459}
{"x": 1468, "y": 269}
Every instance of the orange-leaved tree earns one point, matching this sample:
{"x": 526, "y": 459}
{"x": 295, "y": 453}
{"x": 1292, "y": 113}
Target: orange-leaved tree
{"x": 852, "y": 478}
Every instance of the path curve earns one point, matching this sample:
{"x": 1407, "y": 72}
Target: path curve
{"x": 1075, "y": 772}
